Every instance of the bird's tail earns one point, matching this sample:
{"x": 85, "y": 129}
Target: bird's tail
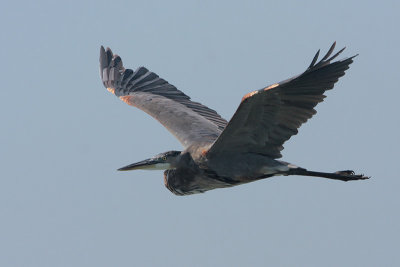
{"x": 347, "y": 175}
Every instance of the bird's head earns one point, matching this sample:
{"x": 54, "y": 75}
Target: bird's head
{"x": 163, "y": 161}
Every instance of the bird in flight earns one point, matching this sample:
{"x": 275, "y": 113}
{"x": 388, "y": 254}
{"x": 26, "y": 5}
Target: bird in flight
{"x": 218, "y": 153}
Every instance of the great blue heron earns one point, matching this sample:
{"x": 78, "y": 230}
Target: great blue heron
{"x": 216, "y": 153}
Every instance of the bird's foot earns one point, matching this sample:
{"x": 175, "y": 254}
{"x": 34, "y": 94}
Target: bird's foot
{"x": 349, "y": 175}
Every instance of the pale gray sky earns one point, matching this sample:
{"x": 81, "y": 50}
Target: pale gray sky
{"x": 62, "y": 202}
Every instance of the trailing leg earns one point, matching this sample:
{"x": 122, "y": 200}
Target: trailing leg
{"x": 347, "y": 175}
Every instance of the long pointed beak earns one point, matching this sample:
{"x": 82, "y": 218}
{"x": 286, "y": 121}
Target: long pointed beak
{"x": 141, "y": 165}
{"x": 147, "y": 164}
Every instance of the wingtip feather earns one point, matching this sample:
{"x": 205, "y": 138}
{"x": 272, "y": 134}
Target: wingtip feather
{"x": 314, "y": 59}
{"x": 329, "y": 51}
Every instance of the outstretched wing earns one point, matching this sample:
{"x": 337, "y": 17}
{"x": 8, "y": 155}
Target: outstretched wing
{"x": 266, "y": 118}
{"x": 190, "y": 122}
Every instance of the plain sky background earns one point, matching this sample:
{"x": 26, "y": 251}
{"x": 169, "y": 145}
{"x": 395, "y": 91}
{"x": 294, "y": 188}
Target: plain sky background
{"x": 62, "y": 202}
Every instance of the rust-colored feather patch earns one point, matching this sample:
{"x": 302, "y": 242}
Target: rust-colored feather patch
{"x": 271, "y": 86}
{"x": 111, "y": 90}
{"x": 126, "y": 99}
{"x": 165, "y": 180}
{"x": 249, "y": 95}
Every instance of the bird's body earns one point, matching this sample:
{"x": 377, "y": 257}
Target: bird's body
{"x": 219, "y": 154}
{"x": 200, "y": 174}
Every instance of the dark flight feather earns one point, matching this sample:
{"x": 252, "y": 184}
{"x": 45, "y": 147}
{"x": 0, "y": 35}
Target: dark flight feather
{"x": 268, "y": 117}
{"x": 127, "y": 81}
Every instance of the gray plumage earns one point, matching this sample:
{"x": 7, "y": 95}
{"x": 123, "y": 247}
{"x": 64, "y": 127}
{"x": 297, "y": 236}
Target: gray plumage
{"x": 220, "y": 154}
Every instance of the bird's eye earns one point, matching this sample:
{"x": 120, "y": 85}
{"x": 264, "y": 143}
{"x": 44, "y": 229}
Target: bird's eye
{"x": 164, "y": 158}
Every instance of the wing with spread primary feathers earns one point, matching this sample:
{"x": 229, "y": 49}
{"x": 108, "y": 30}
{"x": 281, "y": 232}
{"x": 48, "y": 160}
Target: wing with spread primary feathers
{"x": 267, "y": 118}
{"x": 190, "y": 122}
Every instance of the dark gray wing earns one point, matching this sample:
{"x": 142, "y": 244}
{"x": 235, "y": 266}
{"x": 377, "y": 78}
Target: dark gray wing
{"x": 190, "y": 122}
{"x": 266, "y": 118}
